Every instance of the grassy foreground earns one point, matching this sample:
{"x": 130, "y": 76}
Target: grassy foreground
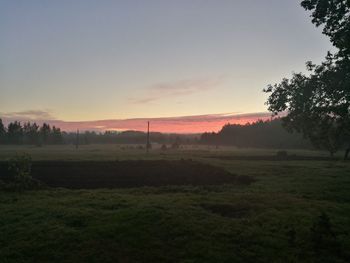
{"x": 296, "y": 211}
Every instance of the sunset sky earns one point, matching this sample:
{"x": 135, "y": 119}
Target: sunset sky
{"x": 201, "y": 62}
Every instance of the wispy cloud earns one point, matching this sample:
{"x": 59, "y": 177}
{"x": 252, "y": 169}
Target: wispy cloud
{"x": 180, "y": 124}
{"x": 28, "y": 115}
{"x": 178, "y": 88}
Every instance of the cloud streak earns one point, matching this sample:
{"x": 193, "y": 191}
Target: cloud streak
{"x": 28, "y": 115}
{"x": 181, "y": 124}
{"x": 177, "y": 89}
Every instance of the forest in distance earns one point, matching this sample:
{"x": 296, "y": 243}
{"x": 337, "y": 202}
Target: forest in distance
{"x": 259, "y": 134}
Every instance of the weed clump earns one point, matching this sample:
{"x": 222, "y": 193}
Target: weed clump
{"x": 323, "y": 238}
{"x": 19, "y": 177}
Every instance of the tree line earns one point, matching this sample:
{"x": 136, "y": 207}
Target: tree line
{"x": 29, "y": 133}
{"x": 259, "y": 134}
{"x": 127, "y": 137}
{"x": 32, "y": 134}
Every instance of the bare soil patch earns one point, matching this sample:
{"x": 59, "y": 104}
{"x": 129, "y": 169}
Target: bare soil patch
{"x": 126, "y": 174}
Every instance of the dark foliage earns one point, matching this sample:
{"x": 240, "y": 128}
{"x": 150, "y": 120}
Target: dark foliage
{"x": 29, "y": 133}
{"x": 14, "y": 133}
{"x": 17, "y": 176}
{"x": 334, "y": 16}
{"x": 318, "y": 104}
{"x": 260, "y": 134}
{"x": 129, "y": 137}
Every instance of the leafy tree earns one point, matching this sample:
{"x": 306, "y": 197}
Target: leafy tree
{"x": 31, "y": 133}
{"x": 56, "y": 135}
{"x": 334, "y": 16}
{"x": 45, "y": 131}
{"x": 2, "y": 132}
{"x": 318, "y": 104}
{"x": 15, "y": 132}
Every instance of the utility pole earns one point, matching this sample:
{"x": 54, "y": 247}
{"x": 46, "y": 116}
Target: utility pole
{"x": 77, "y": 140}
{"x": 148, "y": 144}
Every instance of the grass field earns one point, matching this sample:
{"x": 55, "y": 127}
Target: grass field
{"x": 296, "y": 210}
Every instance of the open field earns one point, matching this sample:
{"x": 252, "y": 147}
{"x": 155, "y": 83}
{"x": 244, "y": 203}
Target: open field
{"x": 295, "y": 210}
{"x": 96, "y": 152}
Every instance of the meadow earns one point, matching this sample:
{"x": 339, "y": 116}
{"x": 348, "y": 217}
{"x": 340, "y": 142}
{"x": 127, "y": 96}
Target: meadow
{"x": 296, "y": 209}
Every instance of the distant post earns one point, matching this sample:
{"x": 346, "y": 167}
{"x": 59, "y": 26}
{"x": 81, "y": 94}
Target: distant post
{"x": 148, "y": 144}
{"x": 77, "y": 140}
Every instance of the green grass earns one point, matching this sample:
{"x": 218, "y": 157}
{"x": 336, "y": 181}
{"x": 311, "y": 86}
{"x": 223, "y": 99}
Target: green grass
{"x": 125, "y": 152}
{"x": 271, "y": 220}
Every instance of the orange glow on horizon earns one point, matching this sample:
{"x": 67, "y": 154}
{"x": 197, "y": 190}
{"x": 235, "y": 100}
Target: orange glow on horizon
{"x": 183, "y": 124}
{"x": 187, "y": 124}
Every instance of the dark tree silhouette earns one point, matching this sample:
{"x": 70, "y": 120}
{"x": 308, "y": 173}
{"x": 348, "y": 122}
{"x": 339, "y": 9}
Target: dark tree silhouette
{"x": 318, "y": 104}
{"x": 56, "y": 135}
{"x": 45, "y": 131}
{"x": 259, "y": 134}
{"x": 15, "y": 133}
{"x": 334, "y": 16}
{"x": 31, "y": 133}
{"x": 2, "y": 132}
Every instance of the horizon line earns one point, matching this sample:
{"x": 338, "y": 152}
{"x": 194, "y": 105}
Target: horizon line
{"x": 190, "y": 124}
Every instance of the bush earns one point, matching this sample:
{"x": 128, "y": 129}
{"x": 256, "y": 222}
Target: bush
{"x": 19, "y": 174}
{"x": 20, "y": 167}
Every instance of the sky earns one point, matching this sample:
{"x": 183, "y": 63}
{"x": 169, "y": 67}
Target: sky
{"x": 80, "y": 62}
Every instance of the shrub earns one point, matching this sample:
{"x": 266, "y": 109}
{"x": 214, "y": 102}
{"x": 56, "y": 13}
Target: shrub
{"x": 20, "y": 167}
{"x": 19, "y": 178}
